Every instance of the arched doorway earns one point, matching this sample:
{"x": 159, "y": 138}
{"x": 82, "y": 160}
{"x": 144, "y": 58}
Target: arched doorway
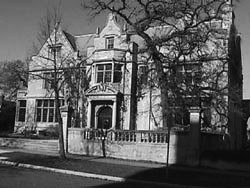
{"x": 104, "y": 118}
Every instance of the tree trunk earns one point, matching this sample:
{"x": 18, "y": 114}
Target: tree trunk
{"x": 60, "y": 127}
{"x": 164, "y": 104}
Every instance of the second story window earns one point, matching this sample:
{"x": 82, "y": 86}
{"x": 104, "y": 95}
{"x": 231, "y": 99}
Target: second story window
{"x": 49, "y": 79}
{"x": 55, "y": 52}
{"x": 110, "y": 42}
{"x": 109, "y": 73}
{"x": 104, "y": 73}
{"x": 117, "y": 73}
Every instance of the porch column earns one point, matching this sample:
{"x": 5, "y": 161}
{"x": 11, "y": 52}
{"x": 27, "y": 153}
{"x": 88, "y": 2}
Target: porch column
{"x": 89, "y": 114}
{"x": 114, "y": 112}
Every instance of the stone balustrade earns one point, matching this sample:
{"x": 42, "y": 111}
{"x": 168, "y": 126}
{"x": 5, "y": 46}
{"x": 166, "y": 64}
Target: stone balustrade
{"x": 140, "y": 136}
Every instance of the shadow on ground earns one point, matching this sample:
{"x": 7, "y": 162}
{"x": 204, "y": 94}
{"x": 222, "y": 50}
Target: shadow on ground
{"x": 185, "y": 176}
{"x": 176, "y": 174}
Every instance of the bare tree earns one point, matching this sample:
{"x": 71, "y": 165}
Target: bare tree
{"x": 174, "y": 32}
{"x": 179, "y": 33}
{"x": 48, "y": 64}
{"x": 13, "y": 76}
{"x": 61, "y": 69}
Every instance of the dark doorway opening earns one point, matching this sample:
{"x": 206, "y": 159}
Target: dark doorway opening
{"x": 105, "y": 118}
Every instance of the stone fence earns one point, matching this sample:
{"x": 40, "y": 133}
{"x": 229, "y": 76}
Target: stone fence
{"x": 126, "y": 135}
{"x": 132, "y": 145}
{"x": 184, "y": 147}
{"x": 143, "y": 145}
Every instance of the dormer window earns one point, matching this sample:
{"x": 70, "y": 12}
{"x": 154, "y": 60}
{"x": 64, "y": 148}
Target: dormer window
{"x": 110, "y": 42}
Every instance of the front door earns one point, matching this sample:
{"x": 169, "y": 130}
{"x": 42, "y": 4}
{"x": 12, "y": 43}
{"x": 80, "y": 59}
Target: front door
{"x": 105, "y": 118}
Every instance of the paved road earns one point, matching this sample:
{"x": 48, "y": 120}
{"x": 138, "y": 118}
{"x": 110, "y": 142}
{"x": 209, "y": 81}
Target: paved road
{"x": 14, "y": 177}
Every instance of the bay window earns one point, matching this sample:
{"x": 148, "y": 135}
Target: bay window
{"x": 108, "y": 73}
{"x": 104, "y": 73}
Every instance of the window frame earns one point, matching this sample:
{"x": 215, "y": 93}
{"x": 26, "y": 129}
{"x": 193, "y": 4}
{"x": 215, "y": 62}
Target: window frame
{"x": 21, "y": 108}
{"x": 110, "y": 42}
{"x": 48, "y": 79}
{"x": 190, "y": 75}
{"x": 46, "y": 83}
{"x": 45, "y": 108}
{"x": 108, "y": 75}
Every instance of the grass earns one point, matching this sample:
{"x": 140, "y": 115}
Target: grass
{"x": 176, "y": 175}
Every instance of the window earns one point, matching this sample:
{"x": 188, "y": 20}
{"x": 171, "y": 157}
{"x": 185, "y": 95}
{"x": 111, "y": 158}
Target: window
{"x": 110, "y": 42}
{"x": 104, "y": 73}
{"x": 49, "y": 79}
{"x": 117, "y": 73}
{"x": 190, "y": 74}
{"x": 181, "y": 117}
{"x": 143, "y": 75}
{"x": 45, "y": 110}
{"x": 206, "y": 112}
{"x": 22, "y": 110}
{"x": 55, "y": 52}
{"x": 107, "y": 73}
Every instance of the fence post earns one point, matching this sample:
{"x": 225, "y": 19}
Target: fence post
{"x": 65, "y": 119}
{"x": 195, "y": 135}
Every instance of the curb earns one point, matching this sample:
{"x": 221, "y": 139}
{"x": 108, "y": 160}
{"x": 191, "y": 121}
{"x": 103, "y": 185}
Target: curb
{"x": 91, "y": 175}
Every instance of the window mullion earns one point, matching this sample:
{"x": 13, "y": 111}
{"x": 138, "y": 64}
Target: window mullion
{"x": 104, "y": 74}
{"x": 112, "y": 73}
{"x": 41, "y": 120}
{"x": 47, "y": 114}
{"x": 54, "y": 109}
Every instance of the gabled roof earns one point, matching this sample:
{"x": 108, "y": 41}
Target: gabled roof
{"x": 71, "y": 40}
{"x": 83, "y": 42}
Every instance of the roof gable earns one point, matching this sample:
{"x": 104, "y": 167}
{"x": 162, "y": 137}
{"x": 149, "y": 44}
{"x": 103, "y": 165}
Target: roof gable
{"x": 112, "y": 27}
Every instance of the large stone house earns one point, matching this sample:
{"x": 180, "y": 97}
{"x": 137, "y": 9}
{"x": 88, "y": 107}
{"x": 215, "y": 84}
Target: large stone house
{"x": 118, "y": 94}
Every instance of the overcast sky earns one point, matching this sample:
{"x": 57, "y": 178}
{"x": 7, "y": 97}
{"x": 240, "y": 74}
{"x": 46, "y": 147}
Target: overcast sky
{"x": 19, "y": 26}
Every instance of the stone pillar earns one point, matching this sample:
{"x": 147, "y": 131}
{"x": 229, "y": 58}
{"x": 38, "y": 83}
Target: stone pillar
{"x": 95, "y": 119}
{"x": 65, "y": 120}
{"x": 89, "y": 114}
{"x": 195, "y": 135}
{"x": 114, "y": 112}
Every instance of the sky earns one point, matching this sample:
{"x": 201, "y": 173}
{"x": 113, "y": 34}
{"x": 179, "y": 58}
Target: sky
{"x": 19, "y": 25}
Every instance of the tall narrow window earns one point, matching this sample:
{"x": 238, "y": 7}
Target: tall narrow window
{"x": 143, "y": 75}
{"x": 110, "y": 42}
{"x": 47, "y": 82}
{"x": 22, "y": 110}
{"x": 117, "y": 73}
{"x": 55, "y": 52}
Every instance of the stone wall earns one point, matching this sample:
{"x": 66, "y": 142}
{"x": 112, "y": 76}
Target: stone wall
{"x": 133, "y": 145}
{"x": 143, "y": 145}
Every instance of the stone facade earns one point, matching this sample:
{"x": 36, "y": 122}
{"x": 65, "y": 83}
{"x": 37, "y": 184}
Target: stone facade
{"x": 113, "y": 99}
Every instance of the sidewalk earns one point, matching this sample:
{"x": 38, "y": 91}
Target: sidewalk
{"x": 124, "y": 170}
